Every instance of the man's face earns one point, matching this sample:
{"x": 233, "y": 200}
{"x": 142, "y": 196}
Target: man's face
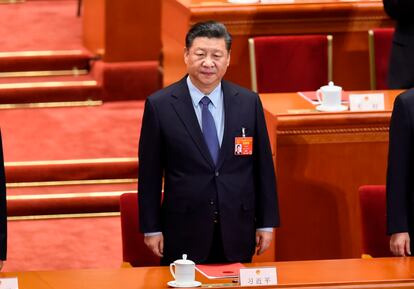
{"x": 207, "y": 60}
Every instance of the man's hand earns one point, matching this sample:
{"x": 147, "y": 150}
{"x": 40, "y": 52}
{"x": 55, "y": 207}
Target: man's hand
{"x": 263, "y": 240}
{"x": 400, "y": 244}
{"x": 155, "y": 244}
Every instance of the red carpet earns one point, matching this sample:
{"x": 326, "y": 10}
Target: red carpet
{"x": 40, "y": 25}
{"x": 107, "y": 131}
{"x": 87, "y": 135}
{"x": 72, "y": 133}
{"x": 66, "y": 199}
{"x": 88, "y": 242}
{"x": 41, "y": 29}
{"x": 64, "y": 244}
{"x": 110, "y": 130}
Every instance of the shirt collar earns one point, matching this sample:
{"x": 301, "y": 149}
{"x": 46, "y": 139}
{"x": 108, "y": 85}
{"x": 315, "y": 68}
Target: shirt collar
{"x": 197, "y": 95}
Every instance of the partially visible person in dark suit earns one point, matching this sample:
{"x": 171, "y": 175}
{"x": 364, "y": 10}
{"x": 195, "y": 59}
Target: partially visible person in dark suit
{"x": 401, "y": 63}
{"x": 400, "y": 175}
{"x": 3, "y": 211}
{"x": 218, "y": 206}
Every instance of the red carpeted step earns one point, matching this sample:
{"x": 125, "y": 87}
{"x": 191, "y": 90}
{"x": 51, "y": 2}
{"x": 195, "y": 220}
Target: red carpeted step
{"x": 72, "y": 143}
{"x": 59, "y": 198}
{"x": 46, "y": 189}
{"x": 63, "y": 204}
{"x": 49, "y": 89}
{"x": 47, "y": 60}
{"x": 68, "y": 170}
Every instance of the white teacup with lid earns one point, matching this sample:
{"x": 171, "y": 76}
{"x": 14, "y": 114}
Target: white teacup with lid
{"x": 183, "y": 271}
{"x": 330, "y": 96}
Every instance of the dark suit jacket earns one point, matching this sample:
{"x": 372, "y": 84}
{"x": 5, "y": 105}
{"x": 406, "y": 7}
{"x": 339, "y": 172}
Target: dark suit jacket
{"x": 242, "y": 188}
{"x": 400, "y": 173}
{"x": 401, "y": 65}
{"x": 3, "y": 211}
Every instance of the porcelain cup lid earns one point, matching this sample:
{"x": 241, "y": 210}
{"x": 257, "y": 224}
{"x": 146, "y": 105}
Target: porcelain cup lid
{"x": 331, "y": 87}
{"x": 184, "y": 261}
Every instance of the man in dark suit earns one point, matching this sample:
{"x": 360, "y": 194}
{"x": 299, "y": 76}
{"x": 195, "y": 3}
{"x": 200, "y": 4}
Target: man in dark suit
{"x": 217, "y": 205}
{"x": 401, "y": 64}
{"x": 3, "y": 212}
{"x": 400, "y": 175}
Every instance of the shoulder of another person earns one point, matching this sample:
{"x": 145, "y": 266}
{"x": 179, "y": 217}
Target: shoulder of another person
{"x": 406, "y": 97}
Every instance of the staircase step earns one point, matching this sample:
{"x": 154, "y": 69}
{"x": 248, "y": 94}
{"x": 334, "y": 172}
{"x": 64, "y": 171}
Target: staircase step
{"x": 67, "y": 197}
{"x": 72, "y": 61}
{"x": 11, "y": 1}
{"x": 49, "y": 89}
{"x": 43, "y": 73}
{"x": 71, "y": 170}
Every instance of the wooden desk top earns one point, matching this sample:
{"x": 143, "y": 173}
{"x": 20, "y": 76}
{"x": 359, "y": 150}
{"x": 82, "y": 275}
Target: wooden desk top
{"x": 281, "y": 11}
{"x": 204, "y": 3}
{"x": 285, "y": 104}
{"x": 249, "y": 17}
{"x": 293, "y": 111}
{"x": 346, "y": 273}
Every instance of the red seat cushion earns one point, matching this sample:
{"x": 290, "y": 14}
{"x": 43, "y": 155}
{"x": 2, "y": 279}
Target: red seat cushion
{"x": 373, "y": 217}
{"x": 291, "y": 63}
{"x": 134, "y": 250}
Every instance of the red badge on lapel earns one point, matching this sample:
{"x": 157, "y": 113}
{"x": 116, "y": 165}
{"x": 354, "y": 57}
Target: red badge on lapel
{"x": 243, "y": 146}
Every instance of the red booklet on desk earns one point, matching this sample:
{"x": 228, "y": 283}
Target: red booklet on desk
{"x": 216, "y": 271}
{"x": 312, "y": 98}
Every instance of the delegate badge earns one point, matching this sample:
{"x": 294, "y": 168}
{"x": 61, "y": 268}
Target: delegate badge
{"x": 243, "y": 146}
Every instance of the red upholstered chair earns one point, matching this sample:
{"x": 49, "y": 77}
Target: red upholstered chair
{"x": 380, "y": 41}
{"x": 134, "y": 251}
{"x": 373, "y": 219}
{"x": 290, "y": 63}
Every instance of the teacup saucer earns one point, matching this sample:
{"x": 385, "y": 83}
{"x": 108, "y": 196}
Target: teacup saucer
{"x": 331, "y": 108}
{"x": 175, "y": 285}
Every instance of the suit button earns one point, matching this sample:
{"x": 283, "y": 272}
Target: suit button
{"x": 217, "y": 174}
{"x": 211, "y": 202}
{"x": 215, "y": 220}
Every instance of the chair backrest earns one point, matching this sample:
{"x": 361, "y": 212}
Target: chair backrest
{"x": 373, "y": 221}
{"x": 134, "y": 251}
{"x": 290, "y": 63}
{"x": 380, "y": 42}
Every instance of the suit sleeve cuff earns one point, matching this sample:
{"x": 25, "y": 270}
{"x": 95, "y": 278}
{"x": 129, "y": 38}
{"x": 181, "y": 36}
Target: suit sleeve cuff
{"x": 152, "y": 234}
{"x": 267, "y": 229}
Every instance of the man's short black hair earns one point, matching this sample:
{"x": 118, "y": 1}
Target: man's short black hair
{"x": 209, "y": 29}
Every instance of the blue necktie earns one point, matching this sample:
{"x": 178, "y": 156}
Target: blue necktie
{"x": 209, "y": 129}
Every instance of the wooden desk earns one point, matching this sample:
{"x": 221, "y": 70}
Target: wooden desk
{"x": 347, "y": 20}
{"x": 321, "y": 160}
{"x": 346, "y": 273}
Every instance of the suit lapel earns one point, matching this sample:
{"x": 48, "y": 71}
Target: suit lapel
{"x": 231, "y": 103}
{"x": 183, "y": 105}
